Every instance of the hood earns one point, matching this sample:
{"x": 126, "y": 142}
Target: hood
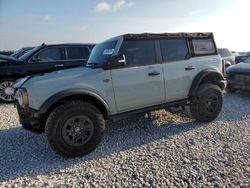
{"x": 241, "y": 68}
{"x": 65, "y": 74}
{"x": 5, "y": 58}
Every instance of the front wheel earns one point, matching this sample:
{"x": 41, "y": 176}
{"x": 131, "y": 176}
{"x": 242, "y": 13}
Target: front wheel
{"x": 206, "y": 105}
{"x": 6, "y": 90}
{"x": 75, "y": 128}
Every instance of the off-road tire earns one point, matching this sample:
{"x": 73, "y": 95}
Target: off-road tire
{"x": 199, "y": 104}
{"x": 60, "y": 115}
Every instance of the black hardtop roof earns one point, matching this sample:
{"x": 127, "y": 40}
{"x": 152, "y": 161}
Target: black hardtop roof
{"x": 169, "y": 35}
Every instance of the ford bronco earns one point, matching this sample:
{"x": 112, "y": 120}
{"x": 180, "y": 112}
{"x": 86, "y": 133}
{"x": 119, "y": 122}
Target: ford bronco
{"x": 125, "y": 75}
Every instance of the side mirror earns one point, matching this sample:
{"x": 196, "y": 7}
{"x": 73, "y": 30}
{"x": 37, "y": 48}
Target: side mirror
{"x": 115, "y": 61}
{"x": 35, "y": 58}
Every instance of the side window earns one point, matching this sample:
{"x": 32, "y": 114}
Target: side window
{"x": 139, "y": 52}
{"x": 174, "y": 49}
{"x": 202, "y": 46}
{"x": 50, "y": 54}
{"x": 78, "y": 52}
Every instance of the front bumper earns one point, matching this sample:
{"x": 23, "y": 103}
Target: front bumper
{"x": 30, "y": 119}
{"x": 239, "y": 82}
{"x": 239, "y": 85}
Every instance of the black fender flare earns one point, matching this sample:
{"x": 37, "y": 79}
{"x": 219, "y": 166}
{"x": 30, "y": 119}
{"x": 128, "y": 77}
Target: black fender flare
{"x": 67, "y": 93}
{"x": 220, "y": 80}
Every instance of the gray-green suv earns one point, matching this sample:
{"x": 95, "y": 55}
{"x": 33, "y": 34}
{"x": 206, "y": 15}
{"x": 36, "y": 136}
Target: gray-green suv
{"x": 125, "y": 75}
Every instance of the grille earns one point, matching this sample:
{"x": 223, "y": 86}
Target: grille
{"x": 240, "y": 78}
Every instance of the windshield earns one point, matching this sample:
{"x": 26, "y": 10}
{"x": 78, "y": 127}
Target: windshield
{"x": 101, "y": 53}
{"x": 26, "y": 55}
{"x": 16, "y": 52}
{"x": 20, "y": 52}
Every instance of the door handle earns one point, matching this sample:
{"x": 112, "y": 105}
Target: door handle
{"x": 189, "y": 68}
{"x": 154, "y": 73}
{"x": 60, "y": 65}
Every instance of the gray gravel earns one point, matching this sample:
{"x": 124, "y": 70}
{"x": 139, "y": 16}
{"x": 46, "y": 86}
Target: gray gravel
{"x": 155, "y": 150}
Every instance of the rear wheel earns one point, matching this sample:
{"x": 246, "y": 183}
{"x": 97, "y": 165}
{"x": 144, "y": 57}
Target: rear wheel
{"x": 6, "y": 90}
{"x": 207, "y": 103}
{"x": 75, "y": 128}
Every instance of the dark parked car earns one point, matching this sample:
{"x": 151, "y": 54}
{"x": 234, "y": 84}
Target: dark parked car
{"x": 242, "y": 57}
{"x": 41, "y": 59}
{"x": 21, "y": 52}
{"x": 239, "y": 76}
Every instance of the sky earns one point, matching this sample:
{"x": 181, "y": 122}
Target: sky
{"x": 33, "y": 22}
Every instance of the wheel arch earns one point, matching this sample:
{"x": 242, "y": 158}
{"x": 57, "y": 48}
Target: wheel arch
{"x": 207, "y": 76}
{"x": 74, "y": 94}
{"x": 227, "y": 64}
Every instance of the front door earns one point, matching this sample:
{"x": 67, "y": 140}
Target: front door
{"x": 46, "y": 60}
{"x": 140, "y": 83}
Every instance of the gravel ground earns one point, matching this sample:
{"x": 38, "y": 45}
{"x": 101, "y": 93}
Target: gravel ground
{"x": 156, "y": 150}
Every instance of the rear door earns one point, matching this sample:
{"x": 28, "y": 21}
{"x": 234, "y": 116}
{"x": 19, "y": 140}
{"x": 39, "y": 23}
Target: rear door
{"x": 179, "y": 69}
{"x": 140, "y": 83}
{"x": 76, "y": 56}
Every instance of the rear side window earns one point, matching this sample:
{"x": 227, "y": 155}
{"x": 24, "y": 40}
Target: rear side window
{"x": 51, "y": 54}
{"x": 77, "y": 52}
{"x": 203, "y": 46}
{"x": 174, "y": 49}
{"x": 139, "y": 52}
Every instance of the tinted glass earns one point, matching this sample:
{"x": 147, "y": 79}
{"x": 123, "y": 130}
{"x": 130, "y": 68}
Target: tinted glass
{"x": 16, "y": 53}
{"x": 101, "y": 53}
{"x": 51, "y": 54}
{"x": 77, "y": 52}
{"x": 173, "y": 49}
{"x": 29, "y": 53}
{"x": 20, "y": 52}
{"x": 139, "y": 52}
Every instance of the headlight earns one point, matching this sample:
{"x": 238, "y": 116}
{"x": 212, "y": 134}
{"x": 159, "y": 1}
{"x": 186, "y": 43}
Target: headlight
{"x": 22, "y": 97}
{"x": 20, "y": 82}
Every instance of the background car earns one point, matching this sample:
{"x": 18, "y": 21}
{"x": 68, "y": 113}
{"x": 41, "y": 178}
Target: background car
{"x": 239, "y": 76}
{"x": 41, "y": 59}
{"x": 234, "y": 53}
{"x": 21, "y": 52}
{"x": 242, "y": 57}
{"x": 227, "y": 56}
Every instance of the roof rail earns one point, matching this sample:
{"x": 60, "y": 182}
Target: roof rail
{"x": 168, "y": 35}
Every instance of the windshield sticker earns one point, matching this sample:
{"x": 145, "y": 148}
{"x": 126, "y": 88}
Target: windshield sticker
{"x": 108, "y": 52}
